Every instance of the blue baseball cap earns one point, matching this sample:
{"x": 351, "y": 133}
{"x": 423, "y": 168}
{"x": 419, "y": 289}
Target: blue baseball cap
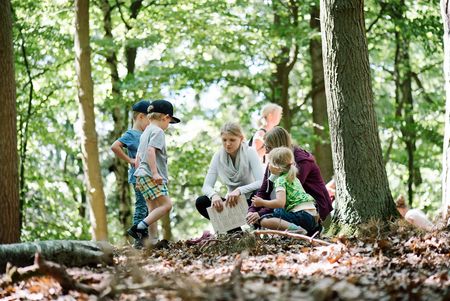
{"x": 141, "y": 106}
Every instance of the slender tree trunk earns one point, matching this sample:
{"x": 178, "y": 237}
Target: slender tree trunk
{"x": 322, "y": 148}
{"x": 91, "y": 163}
{"x": 284, "y": 62}
{"x": 9, "y": 181}
{"x": 404, "y": 97}
{"x": 445, "y": 11}
{"x": 119, "y": 114}
{"x": 166, "y": 227}
{"x": 362, "y": 186}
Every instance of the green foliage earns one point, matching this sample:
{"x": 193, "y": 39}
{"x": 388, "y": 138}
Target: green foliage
{"x": 215, "y": 61}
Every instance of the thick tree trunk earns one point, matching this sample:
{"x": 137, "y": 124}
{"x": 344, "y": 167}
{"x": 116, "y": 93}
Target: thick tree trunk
{"x": 322, "y": 147}
{"x": 67, "y": 252}
{"x": 91, "y": 163}
{"x": 119, "y": 114}
{"x": 362, "y": 186}
{"x": 445, "y": 11}
{"x": 9, "y": 181}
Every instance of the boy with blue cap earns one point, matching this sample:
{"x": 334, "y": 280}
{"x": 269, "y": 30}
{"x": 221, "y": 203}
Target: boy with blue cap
{"x": 130, "y": 141}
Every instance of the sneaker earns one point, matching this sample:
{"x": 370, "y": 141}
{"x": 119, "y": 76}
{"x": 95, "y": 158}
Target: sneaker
{"x": 138, "y": 244}
{"x": 138, "y": 234}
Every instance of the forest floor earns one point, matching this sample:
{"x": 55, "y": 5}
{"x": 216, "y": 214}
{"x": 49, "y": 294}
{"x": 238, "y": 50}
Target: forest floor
{"x": 399, "y": 264}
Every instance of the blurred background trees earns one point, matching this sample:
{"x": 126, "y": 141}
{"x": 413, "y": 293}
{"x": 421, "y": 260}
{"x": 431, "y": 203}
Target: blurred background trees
{"x": 215, "y": 60}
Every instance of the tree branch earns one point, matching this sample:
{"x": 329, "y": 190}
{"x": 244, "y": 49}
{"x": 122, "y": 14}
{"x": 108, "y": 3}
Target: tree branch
{"x": 380, "y": 14}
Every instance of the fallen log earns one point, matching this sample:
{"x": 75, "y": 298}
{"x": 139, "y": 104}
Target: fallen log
{"x": 71, "y": 253}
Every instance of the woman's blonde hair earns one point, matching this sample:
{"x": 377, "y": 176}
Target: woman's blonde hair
{"x": 265, "y": 111}
{"x": 283, "y": 158}
{"x": 277, "y": 137}
{"x": 232, "y": 128}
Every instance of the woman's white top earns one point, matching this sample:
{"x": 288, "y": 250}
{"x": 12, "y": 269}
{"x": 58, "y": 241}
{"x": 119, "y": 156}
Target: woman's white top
{"x": 246, "y": 173}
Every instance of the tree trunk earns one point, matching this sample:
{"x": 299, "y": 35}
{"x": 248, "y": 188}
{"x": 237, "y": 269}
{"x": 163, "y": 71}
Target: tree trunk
{"x": 322, "y": 148}
{"x": 445, "y": 11}
{"x": 362, "y": 187}
{"x": 404, "y": 97}
{"x": 119, "y": 114}
{"x": 91, "y": 163}
{"x": 9, "y": 181}
{"x": 67, "y": 252}
{"x": 284, "y": 62}
{"x": 166, "y": 227}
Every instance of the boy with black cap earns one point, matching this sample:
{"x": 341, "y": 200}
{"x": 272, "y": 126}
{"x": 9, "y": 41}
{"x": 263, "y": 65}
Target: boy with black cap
{"x": 151, "y": 167}
{"x": 130, "y": 141}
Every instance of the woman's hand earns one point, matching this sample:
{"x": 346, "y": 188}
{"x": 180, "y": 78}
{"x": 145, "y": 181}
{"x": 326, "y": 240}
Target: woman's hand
{"x": 217, "y": 203}
{"x": 257, "y": 201}
{"x": 252, "y": 217}
{"x": 233, "y": 197}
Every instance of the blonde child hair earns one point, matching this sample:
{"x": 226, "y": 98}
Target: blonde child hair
{"x": 278, "y": 137}
{"x": 265, "y": 111}
{"x": 232, "y": 128}
{"x": 283, "y": 159}
{"x": 155, "y": 116}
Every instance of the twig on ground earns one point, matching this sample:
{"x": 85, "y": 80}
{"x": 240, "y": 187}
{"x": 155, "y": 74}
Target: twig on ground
{"x": 293, "y": 235}
{"x": 42, "y": 267}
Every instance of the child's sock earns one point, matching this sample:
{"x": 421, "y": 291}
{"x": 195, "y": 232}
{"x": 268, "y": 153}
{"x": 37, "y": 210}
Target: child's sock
{"x": 292, "y": 226}
{"x": 142, "y": 225}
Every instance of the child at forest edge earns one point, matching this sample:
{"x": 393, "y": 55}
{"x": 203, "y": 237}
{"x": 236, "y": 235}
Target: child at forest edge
{"x": 271, "y": 115}
{"x": 130, "y": 141}
{"x": 151, "y": 167}
{"x": 296, "y": 210}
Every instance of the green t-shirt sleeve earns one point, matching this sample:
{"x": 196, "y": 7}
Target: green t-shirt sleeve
{"x": 280, "y": 183}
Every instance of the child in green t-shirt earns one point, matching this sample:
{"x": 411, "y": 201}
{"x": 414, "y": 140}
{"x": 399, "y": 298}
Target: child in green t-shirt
{"x": 295, "y": 209}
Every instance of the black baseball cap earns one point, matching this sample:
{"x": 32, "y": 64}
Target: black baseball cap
{"x": 141, "y": 106}
{"x": 164, "y": 107}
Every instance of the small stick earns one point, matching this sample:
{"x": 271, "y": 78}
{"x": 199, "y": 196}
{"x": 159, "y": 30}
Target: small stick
{"x": 293, "y": 235}
{"x": 42, "y": 267}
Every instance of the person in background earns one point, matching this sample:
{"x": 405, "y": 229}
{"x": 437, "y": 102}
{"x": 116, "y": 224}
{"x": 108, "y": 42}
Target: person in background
{"x": 270, "y": 117}
{"x": 415, "y": 217}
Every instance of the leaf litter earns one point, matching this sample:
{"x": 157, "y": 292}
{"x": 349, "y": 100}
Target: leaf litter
{"x": 404, "y": 264}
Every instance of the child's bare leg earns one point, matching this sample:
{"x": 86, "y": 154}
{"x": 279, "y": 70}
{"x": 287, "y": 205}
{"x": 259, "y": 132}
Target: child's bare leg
{"x": 161, "y": 206}
{"x": 275, "y": 223}
{"x": 153, "y": 228}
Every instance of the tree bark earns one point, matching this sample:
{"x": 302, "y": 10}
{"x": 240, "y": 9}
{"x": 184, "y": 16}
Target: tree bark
{"x": 362, "y": 187}
{"x": 9, "y": 181}
{"x": 322, "y": 147}
{"x": 166, "y": 227}
{"x": 91, "y": 163}
{"x": 67, "y": 252}
{"x": 445, "y": 11}
{"x": 119, "y": 114}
